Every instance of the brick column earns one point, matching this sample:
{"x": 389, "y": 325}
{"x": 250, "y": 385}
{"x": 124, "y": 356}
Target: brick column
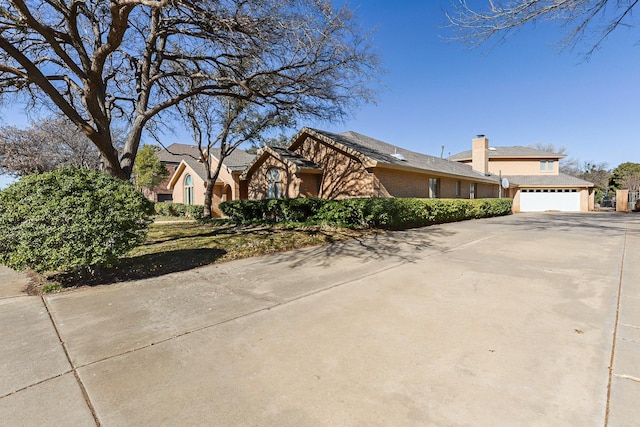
{"x": 622, "y": 200}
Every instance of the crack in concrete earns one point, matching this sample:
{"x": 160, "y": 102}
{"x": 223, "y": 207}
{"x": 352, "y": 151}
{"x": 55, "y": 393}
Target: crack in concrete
{"x": 615, "y": 326}
{"x": 627, "y": 377}
{"x": 281, "y": 303}
{"x": 73, "y": 368}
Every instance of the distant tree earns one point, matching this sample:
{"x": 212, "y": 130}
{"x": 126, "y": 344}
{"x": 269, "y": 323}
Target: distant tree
{"x": 625, "y": 175}
{"x": 103, "y": 63}
{"x": 549, "y": 147}
{"x": 148, "y": 172}
{"x": 599, "y": 174}
{"x": 45, "y": 145}
{"x": 568, "y": 165}
{"x": 282, "y": 140}
{"x": 589, "y": 21}
{"x": 631, "y": 182}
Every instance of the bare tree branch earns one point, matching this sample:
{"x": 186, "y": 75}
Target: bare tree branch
{"x": 139, "y": 60}
{"x": 588, "y": 21}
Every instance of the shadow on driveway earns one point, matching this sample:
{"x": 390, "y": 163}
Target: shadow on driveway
{"x": 141, "y": 267}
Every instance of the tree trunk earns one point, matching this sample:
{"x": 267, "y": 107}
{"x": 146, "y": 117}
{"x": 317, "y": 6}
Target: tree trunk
{"x": 208, "y": 199}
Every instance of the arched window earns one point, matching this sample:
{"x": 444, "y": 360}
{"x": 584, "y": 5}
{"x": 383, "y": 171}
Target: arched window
{"x": 188, "y": 190}
{"x": 274, "y": 184}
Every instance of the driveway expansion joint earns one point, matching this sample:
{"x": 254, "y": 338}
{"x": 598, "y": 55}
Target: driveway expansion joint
{"x": 616, "y": 325}
{"x": 73, "y": 367}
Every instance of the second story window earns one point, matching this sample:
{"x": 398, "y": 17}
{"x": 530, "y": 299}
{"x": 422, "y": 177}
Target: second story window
{"x": 546, "y": 165}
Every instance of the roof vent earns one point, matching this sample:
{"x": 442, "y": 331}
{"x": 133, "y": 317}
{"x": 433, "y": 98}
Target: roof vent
{"x": 492, "y": 149}
{"x": 398, "y": 156}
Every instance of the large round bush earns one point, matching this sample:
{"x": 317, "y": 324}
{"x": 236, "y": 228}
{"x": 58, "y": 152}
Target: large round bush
{"x": 70, "y": 218}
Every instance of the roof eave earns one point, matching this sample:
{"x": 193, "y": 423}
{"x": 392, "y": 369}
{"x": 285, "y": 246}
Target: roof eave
{"x": 432, "y": 172}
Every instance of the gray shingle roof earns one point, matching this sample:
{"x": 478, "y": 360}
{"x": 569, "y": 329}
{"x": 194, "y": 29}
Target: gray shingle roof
{"x": 516, "y": 151}
{"x": 296, "y": 158}
{"x": 176, "y": 152}
{"x": 236, "y": 161}
{"x": 550, "y": 180}
{"x": 197, "y": 167}
{"x": 383, "y": 153}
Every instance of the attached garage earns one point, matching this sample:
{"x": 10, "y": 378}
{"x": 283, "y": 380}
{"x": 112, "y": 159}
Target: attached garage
{"x": 545, "y": 193}
{"x": 549, "y": 199}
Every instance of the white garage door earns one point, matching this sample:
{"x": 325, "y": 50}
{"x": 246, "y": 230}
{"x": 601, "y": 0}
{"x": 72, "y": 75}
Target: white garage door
{"x": 549, "y": 199}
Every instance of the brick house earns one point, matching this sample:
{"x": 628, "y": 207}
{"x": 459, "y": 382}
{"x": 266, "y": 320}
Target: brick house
{"x": 188, "y": 181}
{"x": 535, "y": 181}
{"x": 170, "y": 158}
{"x": 335, "y": 166}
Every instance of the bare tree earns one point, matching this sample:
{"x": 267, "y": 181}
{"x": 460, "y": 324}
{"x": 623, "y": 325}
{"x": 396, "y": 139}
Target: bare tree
{"x": 45, "y": 146}
{"x": 102, "y": 62}
{"x": 225, "y": 124}
{"x": 631, "y": 182}
{"x": 591, "y": 21}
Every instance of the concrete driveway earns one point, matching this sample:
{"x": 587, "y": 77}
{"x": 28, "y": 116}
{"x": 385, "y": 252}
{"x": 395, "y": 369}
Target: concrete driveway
{"x": 505, "y": 321}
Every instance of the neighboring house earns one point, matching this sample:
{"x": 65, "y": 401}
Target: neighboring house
{"x": 188, "y": 182}
{"x": 535, "y": 181}
{"x": 336, "y": 166}
{"x": 171, "y": 157}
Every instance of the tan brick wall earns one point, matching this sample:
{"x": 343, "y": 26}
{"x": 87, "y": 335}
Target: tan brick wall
{"x": 396, "y": 183}
{"x": 258, "y": 183}
{"x": 309, "y": 184}
{"x": 486, "y": 191}
{"x": 344, "y": 176}
{"x": 520, "y": 167}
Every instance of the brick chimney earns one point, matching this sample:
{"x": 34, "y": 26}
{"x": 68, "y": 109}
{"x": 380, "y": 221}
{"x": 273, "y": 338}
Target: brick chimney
{"x": 480, "y": 154}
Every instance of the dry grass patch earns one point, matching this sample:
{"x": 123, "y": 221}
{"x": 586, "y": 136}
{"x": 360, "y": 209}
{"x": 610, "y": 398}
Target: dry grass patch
{"x": 173, "y": 247}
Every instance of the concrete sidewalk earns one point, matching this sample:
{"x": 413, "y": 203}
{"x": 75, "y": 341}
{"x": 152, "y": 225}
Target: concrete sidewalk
{"x": 507, "y": 321}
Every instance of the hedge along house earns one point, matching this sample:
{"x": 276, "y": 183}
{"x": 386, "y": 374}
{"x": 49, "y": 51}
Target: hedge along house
{"x": 188, "y": 182}
{"x": 337, "y": 166}
{"x": 535, "y": 181}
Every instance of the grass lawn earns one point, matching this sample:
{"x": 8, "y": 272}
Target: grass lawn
{"x": 180, "y": 246}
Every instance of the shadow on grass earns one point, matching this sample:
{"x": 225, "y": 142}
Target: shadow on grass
{"x": 140, "y": 267}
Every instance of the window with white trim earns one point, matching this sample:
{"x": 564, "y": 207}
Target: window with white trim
{"x": 274, "y": 184}
{"x": 188, "y": 190}
{"x": 434, "y": 188}
{"x": 546, "y": 165}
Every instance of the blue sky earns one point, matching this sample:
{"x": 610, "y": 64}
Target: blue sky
{"x": 520, "y": 92}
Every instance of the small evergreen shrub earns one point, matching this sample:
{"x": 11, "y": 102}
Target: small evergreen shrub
{"x": 179, "y": 209}
{"x": 194, "y": 211}
{"x": 385, "y": 213}
{"x": 163, "y": 208}
{"x": 70, "y": 218}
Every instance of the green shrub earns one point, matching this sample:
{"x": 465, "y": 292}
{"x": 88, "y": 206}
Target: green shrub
{"x": 386, "y": 213}
{"x": 194, "y": 211}
{"x": 163, "y": 208}
{"x": 272, "y": 210}
{"x": 70, "y": 218}
{"x": 179, "y": 209}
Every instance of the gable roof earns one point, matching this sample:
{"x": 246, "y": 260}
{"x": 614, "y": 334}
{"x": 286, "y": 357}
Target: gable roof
{"x": 560, "y": 180}
{"x": 511, "y": 152}
{"x": 287, "y": 156}
{"x": 379, "y": 153}
{"x": 174, "y": 153}
{"x": 295, "y": 158}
